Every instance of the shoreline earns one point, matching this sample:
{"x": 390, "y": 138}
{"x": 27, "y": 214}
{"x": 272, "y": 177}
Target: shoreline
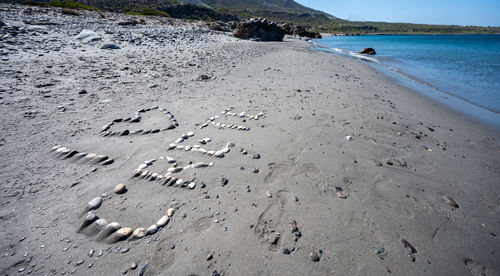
{"x": 396, "y": 34}
{"x": 346, "y": 172}
{"x": 479, "y": 113}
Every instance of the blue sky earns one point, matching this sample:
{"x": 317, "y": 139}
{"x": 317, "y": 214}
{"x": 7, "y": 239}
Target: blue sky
{"x": 451, "y": 12}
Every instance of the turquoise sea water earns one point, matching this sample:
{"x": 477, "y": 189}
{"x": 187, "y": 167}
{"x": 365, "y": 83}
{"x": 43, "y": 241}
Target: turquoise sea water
{"x": 463, "y": 66}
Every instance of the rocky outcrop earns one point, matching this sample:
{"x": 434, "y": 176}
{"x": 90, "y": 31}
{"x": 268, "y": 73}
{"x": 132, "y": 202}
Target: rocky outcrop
{"x": 260, "y": 29}
{"x": 367, "y": 51}
{"x": 292, "y": 29}
{"x": 222, "y": 26}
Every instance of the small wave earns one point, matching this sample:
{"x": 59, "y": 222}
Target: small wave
{"x": 344, "y": 52}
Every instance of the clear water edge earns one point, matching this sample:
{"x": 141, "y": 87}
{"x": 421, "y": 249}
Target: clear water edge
{"x": 464, "y": 106}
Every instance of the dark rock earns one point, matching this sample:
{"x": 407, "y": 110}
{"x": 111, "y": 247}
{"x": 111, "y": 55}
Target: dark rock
{"x": 367, "y": 51}
{"x": 131, "y": 22}
{"x": 314, "y": 256}
{"x": 260, "y": 29}
{"x": 219, "y": 26}
{"x": 286, "y": 251}
{"x": 292, "y": 29}
{"x": 256, "y": 156}
{"x": 110, "y": 46}
{"x": 143, "y": 269}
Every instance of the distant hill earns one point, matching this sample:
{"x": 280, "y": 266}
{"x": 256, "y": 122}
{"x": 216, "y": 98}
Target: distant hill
{"x": 288, "y": 6}
{"x": 287, "y": 11}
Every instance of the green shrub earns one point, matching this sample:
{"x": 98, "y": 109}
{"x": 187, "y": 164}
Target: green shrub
{"x": 71, "y": 4}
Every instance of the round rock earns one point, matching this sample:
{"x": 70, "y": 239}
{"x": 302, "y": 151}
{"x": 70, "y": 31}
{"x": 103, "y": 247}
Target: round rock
{"x": 139, "y": 233}
{"x": 119, "y": 189}
{"x": 152, "y": 229}
{"x": 163, "y": 221}
{"x": 170, "y": 212}
{"x": 95, "y": 203}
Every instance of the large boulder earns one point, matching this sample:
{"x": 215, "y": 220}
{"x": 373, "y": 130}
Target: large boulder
{"x": 260, "y": 29}
{"x": 367, "y": 51}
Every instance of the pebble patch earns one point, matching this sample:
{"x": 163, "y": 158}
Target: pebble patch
{"x": 64, "y": 153}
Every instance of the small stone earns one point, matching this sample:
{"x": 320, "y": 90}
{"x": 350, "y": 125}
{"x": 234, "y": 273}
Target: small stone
{"x": 286, "y": 251}
{"x": 314, "y": 256}
{"x": 224, "y": 181}
{"x": 348, "y": 138}
{"x": 341, "y": 195}
{"x": 450, "y": 201}
{"x": 210, "y": 256}
{"x": 110, "y": 46}
{"x": 255, "y": 170}
{"x": 119, "y": 189}
{"x": 389, "y": 162}
{"x": 79, "y": 262}
{"x": 170, "y": 212}
{"x": 95, "y": 203}
{"x": 163, "y": 221}
{"x": 190, "y": 134}
{"x": 295, "y": 198}
{"x": 133, "y": 266}
{"x": 143, "y": 269}
{"x": 124, "y": 232}
{"x": 191, "y": 185}
{"x": 151, "y": 229}
{"x": 268, "y": 193}
{"x": 294, "y": 227}
{"x": 379, "y": 250}
{"x": 256, "y": 156}
{"x": 125, "y": 250}
{"x": 139, "y": 233}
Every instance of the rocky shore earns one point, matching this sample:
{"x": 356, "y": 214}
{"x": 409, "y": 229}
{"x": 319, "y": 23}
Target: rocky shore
{"x": 152, "y": 146}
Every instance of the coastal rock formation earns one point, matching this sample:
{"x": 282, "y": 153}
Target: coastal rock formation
{"x": 367, "y": 51}
{"x": 260, "y": 29}
{"x": 292, "y": 29}
{"x": 222, "y": 26}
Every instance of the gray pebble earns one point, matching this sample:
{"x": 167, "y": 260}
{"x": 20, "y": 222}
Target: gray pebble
{"x": 379, "y": 250}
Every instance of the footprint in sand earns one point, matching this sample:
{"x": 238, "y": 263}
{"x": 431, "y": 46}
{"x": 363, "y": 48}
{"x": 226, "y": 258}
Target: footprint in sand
{"x": 270, "y": 224}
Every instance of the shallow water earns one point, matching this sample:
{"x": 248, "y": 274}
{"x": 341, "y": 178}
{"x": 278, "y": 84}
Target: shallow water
{"x": 464, "y": 66}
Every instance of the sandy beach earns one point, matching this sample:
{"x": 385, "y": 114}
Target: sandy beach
{"x": 316, "y": 164}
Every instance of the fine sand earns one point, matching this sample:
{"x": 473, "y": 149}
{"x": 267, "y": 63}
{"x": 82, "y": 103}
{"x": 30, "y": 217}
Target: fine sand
{"x": 404, "y": 153}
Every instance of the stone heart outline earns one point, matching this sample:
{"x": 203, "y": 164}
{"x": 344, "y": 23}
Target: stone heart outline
{"x": 107, "y": 133}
